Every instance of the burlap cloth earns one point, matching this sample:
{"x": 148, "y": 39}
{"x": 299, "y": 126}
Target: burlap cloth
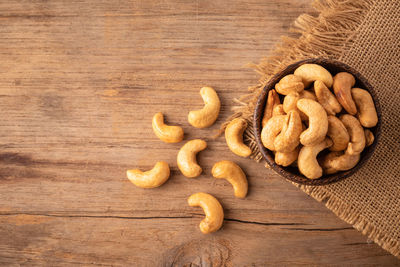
{"x": 366, "y": 36}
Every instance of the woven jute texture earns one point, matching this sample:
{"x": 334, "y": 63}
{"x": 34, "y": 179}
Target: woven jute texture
{"x": 366, "y": 36}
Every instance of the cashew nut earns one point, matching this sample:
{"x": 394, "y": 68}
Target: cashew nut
{"x": 286, "y": 158}
{"x": 272, "y": 102}
{"x": 326, "y": 98}
{"x": 324, "y": 162}
{"x": 338, "y": 133}
{"x": 187, "y": 158}
{"x": 271, "y": 130}
{"x": 289, "y": 138}
{"x": 308, "y": 94}
{"x": 356, "y": 132}
{"x": 289, "y": 84}
{"x": 313, "y": 72}
{"x": 278, "y": 110}
{"x": 317, "y": 122}
{"x": 168, "y": 134}
{"x": 206, "y": 116}
{"x": 290, "y": 101}
{"x": 152, "y": 178}
{"x": 233, "y": 174}
{"x": 307, "y": 161}
{"x": 338, "y": 161}
{"x": 234, "y": 137}
{"x": 366, "y": 108}
{"x": 369, "y": 137}
{"x": 342, "y": 84}
{"x": 212, "y": 209}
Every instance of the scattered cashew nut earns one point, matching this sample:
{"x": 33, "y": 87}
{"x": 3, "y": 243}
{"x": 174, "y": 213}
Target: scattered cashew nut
{"x": 338, "y": 161}
{"x": 233, "y": 174}
{"x": 272, "y": 102}
{"x": 206, "y": 116}
{"x": 212, "y": 209}
{"x": 289, "y": 84}
{"x": 186, "y": 159}
{"x": 271, "y": 130}
{"x": 356, "y": 132}
{"x": 286, "y": 158}
{"x": 366, "y": 108}
{"x": 338, "y": 133}
{"x": 167, "y": 133}
{"x": 312, "y": 72}
{"x": 234, "y": 137}
{"x": 317, "y": 122}
{"x": 307, "y": 161}
{"x": 342, "y": 84}
{"x": 289, "y": 138}
{"x": 152, "y": 178}
{"x": 369, "y": 137}
{"x": 326, "y": 98}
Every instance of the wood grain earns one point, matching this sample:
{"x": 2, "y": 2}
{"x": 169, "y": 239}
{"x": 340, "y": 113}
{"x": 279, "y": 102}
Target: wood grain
{"x": 79, "y": 84}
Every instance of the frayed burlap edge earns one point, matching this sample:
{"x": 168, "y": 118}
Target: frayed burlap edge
{"x": 328, "y": 35}
{"x": 325, "y": 36}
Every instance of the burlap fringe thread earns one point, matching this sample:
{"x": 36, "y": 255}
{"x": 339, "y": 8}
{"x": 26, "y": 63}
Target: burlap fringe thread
{"x": 325, "y": 36}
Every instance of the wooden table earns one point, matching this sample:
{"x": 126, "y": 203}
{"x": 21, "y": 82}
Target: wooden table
{"x": 79, "y": 84}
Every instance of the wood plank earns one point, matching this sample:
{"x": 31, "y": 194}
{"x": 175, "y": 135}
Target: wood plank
{"x": 80, "y": 82}
{"x": 149, "y": 242}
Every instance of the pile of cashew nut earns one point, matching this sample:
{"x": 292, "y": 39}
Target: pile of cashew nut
{"x": 187, "y": 162}
{"x": 312, "y": 118}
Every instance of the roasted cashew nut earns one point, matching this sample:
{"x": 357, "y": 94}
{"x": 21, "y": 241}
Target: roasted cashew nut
{"x": 272, "y": 101}
{"x": 307, "y": 161}
{"x": 168, "y": 134}
{"x": 271, "y": 130}
{"x": 365, "y": 106}
{"x": 369, "y": 137}
{"x": 342, "y": 84}
{"x": 186, "y": 159}
{"x": 338, "y": 133}
{"x": 289, "y": 138}
{"x": 212, "y": 209}
{"x": 278, "y": 110}
{"x": 152, "y": 178}
{"x": 338, "y": 161}
{"x": 234, "y": 137}
{"x": 233, "y": 174}
{"x": 356, "y": 133}
{"x": 206, "y": 116}
{"x": 290, "y": 102}
{"x": 312, "y": 72}
{"x": 289, "y": 84}
{"x": 326, "y": 98}
{"x": 286, "y": 158}
{"x": 308, "y": 95}
{"x": 317, "y": 122}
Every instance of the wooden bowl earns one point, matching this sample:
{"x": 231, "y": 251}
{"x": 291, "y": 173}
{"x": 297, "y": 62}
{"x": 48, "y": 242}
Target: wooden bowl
{"x": 292, "y": 173}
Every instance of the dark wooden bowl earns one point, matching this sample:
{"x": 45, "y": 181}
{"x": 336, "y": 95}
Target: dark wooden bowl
{"x": 293, "y": 173}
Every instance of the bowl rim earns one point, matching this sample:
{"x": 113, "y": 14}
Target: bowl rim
{"x": 286, "y": 172}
